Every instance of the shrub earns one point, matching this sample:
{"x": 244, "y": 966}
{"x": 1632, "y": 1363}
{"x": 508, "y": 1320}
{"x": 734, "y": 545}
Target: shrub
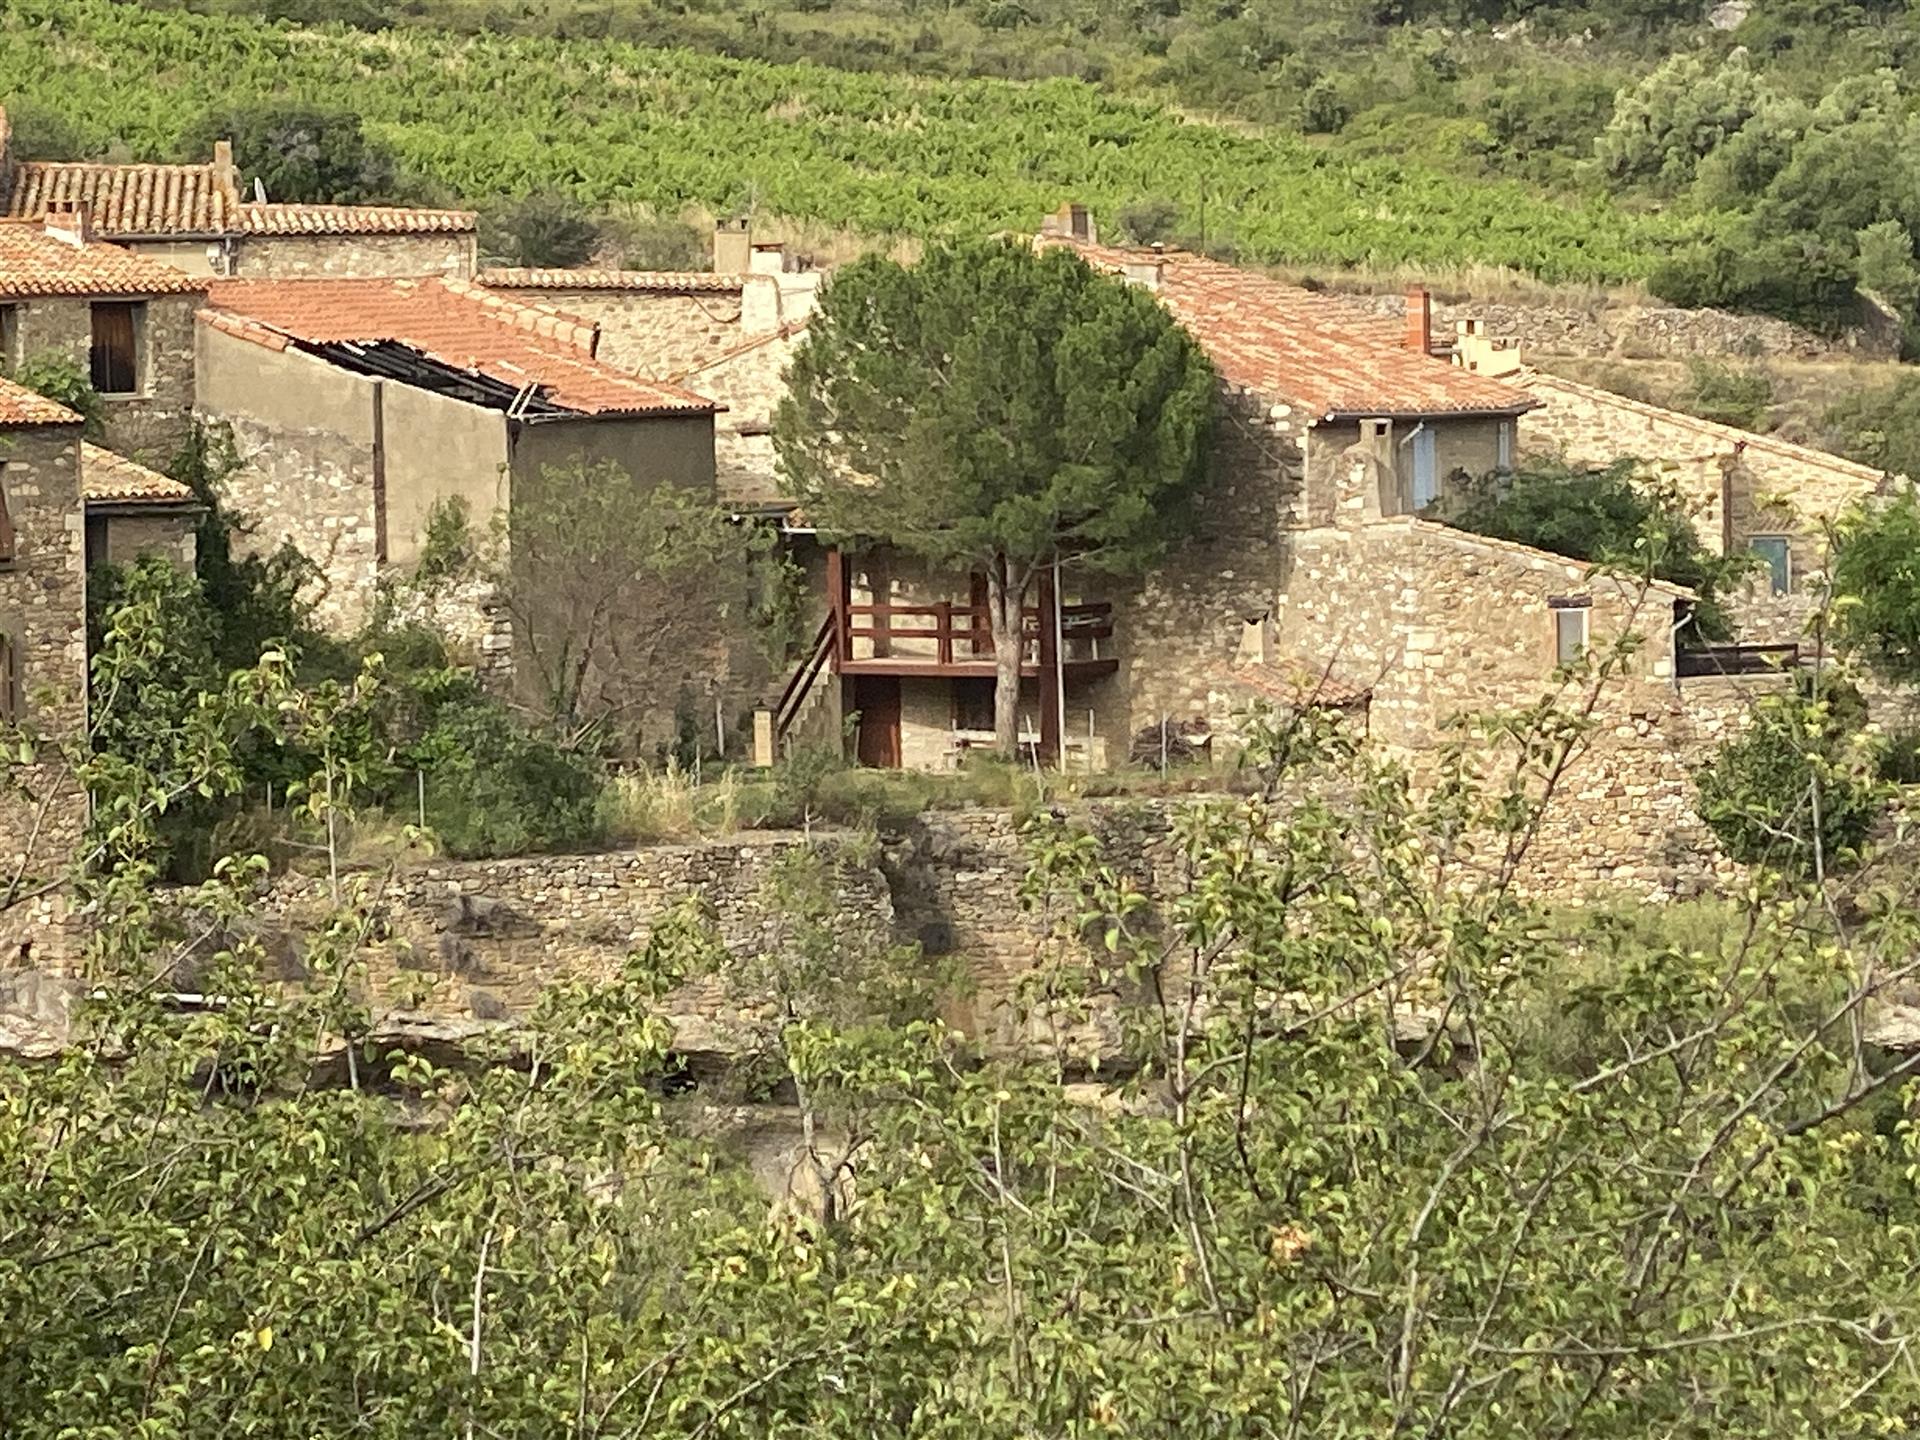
{"x": 496, "y": 788}
{"x": 62, "y": 380}
{"x": 1880, "y": 426}
{"x": 1322, "y": 110}
{"x": 1732, "y": 394}
{"x": 1887, "y": 265}
{"x": 1662, "y": 127}
{"x": 1875, "y": 587}
{"x": 297, "y": 151}
{"x": 659, "y": 243}
{"x": 544, "y": 229}
{"x": 1148, "y": 221}
{"x": 1797, "y": 791}
{"x": 1797, "y": 277}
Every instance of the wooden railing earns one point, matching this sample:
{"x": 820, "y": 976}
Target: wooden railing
{"x": 953, "y": 632}
{"x": 800, "y": 684}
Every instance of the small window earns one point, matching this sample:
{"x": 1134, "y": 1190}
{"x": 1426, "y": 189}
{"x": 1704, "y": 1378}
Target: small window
{"x": 6, "y": 519}
{"x": 9, "y": 680}
{"x": 1426, "y": 468}
{"x": 9, "y": 336}
{"x": 1569, "y": 634}
{"x": 973, "y": 704}
{"x": 1778, "y": 555}
{"x": 1503, "y": 446}
{"x": 116, "y": 347}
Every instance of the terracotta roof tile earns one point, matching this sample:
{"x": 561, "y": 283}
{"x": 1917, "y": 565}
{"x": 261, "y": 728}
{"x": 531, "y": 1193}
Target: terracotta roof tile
{"x": 21, "y": 406}
{"x": 1298, "y": 686}
{"x": 288, "y": 219}
{"x": 681, "y": 282}
{"x": 110, "y": 479}
{"x": 453, "y": 322}
{"x": 1307, "y": 349}
{"x": 178, "y": 201}
{"x": 36, "y": 262}
{"x": 125, "y": 201}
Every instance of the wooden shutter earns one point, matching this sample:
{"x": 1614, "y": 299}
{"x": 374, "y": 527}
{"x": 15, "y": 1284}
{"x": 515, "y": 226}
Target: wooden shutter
{"x": 114, "y": 371}
{"x": 6, "y": 518}
{"x": 9, "y": 680}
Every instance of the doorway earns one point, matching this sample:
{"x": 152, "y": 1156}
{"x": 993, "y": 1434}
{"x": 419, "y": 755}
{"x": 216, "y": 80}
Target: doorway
{"x": 877, "y": 698}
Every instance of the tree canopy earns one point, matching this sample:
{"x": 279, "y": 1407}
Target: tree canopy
{"x": 297, "y": 151}
{"x": 991, "y": 408}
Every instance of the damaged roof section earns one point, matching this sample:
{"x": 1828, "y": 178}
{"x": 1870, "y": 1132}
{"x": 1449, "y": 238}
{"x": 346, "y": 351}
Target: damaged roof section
{"x": 450, "y": 337}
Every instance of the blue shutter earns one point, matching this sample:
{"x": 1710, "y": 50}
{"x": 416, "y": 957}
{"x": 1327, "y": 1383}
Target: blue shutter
{"x": 1426, "y": 469}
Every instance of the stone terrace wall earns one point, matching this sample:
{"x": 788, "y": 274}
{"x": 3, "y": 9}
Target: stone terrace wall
{"x": 488, "y": 935}
{"x": 1643, "y": 331}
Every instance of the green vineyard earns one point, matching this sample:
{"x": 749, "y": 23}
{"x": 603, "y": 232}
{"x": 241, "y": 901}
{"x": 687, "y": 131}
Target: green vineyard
{"x": 615, "y": 123}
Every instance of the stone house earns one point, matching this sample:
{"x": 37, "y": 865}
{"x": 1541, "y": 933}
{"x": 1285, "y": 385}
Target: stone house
{"x": 359, "y": 405}
{"x": 124, "y": 320}
{"x": 133, "y": 511}
{"x": 1746, "y": 492}
{"x": 196, "y": 218}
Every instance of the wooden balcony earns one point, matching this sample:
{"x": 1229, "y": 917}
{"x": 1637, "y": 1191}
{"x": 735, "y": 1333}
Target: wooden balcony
{"x": 946, "y": 639}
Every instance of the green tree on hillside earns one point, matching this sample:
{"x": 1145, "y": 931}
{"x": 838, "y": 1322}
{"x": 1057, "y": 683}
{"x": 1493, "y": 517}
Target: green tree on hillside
{"x": 992, "y": 410}
{"x": 296, "y": 151}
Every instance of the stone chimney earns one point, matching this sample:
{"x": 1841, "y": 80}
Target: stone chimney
{"x": 1072, "y": 221}
{"x": 1144, "y": 270}
{"x": 733, "y": 246}
{"x": 767, "y": 258}
{"x": 70, "y": 221}
{"x": 1475, "y": 350}
{"x": 225, "y": 173}
{"x": 1419, "y": 320}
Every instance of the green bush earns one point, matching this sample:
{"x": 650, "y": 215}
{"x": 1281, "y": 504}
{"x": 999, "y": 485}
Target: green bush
{"x": 495, "y": 788}
{"x": 1797, "y": 791}
{"x": 1732, "y": 394}
{"x": 1797, "y": 277}
{"x": 541, "y": 230}
{"x": 1875, "y": 585}
{"x": 297, "y": 151}
{"x": 1879, "y": 427}
{"x": 63, "y": 381}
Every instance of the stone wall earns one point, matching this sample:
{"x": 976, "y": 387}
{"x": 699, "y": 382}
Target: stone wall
{"x": 1643, "y": 331}
{"x": 656, "y": 333}
{"x": 130, "y": 534}
{"x": 152, "y": 423}
{"x": 1735, "y": 484}
{"x": 360, "y": 256}
{"x": 484, "y": 937}
{"x": 43, "y": 608}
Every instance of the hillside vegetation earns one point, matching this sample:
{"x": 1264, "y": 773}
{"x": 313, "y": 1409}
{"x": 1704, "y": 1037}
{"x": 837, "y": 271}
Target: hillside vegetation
{"x": 615, "y": 123}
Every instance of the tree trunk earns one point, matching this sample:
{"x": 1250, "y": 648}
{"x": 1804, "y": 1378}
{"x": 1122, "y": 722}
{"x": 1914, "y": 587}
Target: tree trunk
{"x": 1006, "y": 597}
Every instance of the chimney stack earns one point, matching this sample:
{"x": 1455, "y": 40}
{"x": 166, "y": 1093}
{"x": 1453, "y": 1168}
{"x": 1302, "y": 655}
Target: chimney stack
{"x": 767, "y": 258}
{"x": 225, "y": 173}
{"x": 1419, "y": 320}
{"x": 69, "y": 220}
{"x": 733, "y": 246}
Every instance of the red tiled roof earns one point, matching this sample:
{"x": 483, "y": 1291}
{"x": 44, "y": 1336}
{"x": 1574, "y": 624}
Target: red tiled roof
{"x": 1298, "y": 686}
{"x": 21, "y": 406}
{"x": 36, "y": 262}
{"x": 683, "y": 282}
{"x": 288, "y": 219}
{"x": 180, "y": 201}
{"x": 1308, "y": 349}
{"x": 110, "y": 479}
{"x": 451, "y": 321}
{"x": 129, "y": 200}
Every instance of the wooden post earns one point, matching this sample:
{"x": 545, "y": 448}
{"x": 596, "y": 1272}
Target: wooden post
{"x": 1049, "y": 666}
{"x": 763, "y": 737}
{"x": 945, "y": 621}
{"x": 839, "y": 597}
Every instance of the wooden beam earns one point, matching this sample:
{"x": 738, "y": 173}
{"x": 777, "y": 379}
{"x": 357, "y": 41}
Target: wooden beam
{"x": 1049, "y": 667}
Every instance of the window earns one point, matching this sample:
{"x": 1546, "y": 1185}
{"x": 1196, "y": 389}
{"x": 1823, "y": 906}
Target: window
{"x": 1778, "y": 554}
{"x": 116, "y": 346}
{"x": 9, "y": 336}
{"x": 1426, "y": 468}
{"x": 973, "y": 704}
{"x": 1569, "y": 632}
{"x": 1503, "y": 446}
{"x": 6, "y": 519}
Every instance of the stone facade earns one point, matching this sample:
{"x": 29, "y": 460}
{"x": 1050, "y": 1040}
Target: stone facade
{"x": 257, "y": 257}
{"x": 1737, "y": 485}
{"x": 124, "y": 534}
{"x": 656, "y": 333}
{"x": 43, "y": 609}
{"x": 152, "y": 422}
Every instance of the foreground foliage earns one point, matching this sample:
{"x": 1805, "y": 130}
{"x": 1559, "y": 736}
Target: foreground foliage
{"x": 1370, "y": 1153}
